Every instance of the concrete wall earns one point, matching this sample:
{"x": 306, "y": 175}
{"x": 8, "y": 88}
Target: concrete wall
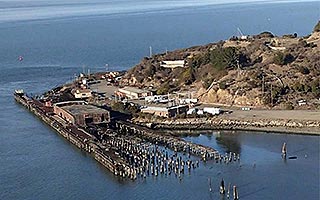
{"x": 79, "y": 119}
{"x": 157, "y": 113}
{"x": 63, "y": 114}
{"x": 133, "y": 94}
{"x": 177, "y": 110}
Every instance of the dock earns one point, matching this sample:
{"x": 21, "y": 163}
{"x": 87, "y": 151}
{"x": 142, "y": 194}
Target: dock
{"x": 129, "y": 150}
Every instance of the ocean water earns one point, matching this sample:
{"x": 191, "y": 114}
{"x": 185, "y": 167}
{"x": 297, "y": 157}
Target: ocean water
{"x": 59, "y": 39}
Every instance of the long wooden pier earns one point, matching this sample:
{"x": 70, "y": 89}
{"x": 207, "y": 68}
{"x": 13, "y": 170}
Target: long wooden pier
{"x": 126, "y": 150}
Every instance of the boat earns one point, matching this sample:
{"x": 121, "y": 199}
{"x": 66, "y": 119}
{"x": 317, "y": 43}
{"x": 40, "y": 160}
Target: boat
{"x": 20, "y": 58}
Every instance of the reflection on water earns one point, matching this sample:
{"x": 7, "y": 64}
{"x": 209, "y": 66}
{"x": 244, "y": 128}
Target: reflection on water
{"x": 229, "y": 143}
{"x": 261, "y": 172}
{"x": 223, "y": 141}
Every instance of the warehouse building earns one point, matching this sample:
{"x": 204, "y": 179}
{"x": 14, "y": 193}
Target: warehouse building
{"x": 133, "y": 93}
{"x": 81, "y": 114}
{"x": 165, "y": 111}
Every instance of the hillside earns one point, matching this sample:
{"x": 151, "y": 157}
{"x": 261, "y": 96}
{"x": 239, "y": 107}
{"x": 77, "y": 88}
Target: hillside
{"x": 261, "y": 71}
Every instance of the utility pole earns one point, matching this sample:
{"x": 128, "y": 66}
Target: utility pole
{"x": 107, "y": 67}
{"x": 262, "y": 84}
{"x": 150, "y": 51}
{"x": 271, "y": 97}
{"x": 239, "y": 69}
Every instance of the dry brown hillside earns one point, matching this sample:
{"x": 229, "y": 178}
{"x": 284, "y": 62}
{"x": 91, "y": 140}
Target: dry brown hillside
{"x": 262, "y": 70}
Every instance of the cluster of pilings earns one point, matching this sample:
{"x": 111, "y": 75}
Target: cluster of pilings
{"x": 132, "y": 151}
{"x": 174, "y": 143}
{"x": 146, "y": 159}
{"x": 226, "y": 192}
{"x": 228, "y": 157}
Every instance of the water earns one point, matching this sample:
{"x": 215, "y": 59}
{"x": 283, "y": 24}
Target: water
{"x": 57, "y": 41}
{"x": 262, "y": 173}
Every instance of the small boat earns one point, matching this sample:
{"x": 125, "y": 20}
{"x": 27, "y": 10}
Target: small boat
{"x": 20, "y": 58}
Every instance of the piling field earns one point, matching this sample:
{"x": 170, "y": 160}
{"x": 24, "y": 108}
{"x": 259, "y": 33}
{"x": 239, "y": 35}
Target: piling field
{"x": 131, "y": 151}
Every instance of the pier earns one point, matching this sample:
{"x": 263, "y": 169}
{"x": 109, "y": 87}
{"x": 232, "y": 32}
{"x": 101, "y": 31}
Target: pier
{"x": 128, "y": 150}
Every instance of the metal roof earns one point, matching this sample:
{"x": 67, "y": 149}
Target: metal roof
{"x": 133, "y": 89}
{"x": 84, "y": 109}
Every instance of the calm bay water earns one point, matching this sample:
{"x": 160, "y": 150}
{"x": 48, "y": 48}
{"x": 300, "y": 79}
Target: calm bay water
{"x": 59, "y": 39}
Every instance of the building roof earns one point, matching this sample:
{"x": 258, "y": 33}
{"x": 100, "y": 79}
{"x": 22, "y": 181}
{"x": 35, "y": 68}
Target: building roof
{"x": 78, "y": 91}
{"x": 173, "y": 62}
{"x": 162, "y": 109}
{"x": 84, "y": 109}
{"x": 133, "y": 89}
{"x": 154, "y": 108}
{"x": 177, "y": 106}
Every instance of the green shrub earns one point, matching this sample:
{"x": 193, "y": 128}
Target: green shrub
{"x": 298, "y": 87}
{"x": 222, "y": 85}
{"x": 303, "y": 70}
{"x": 206, "y": 83}
{"x": 315, "y": 89}
{"x": 281, "y": 58}
{"x": 289, "y": 106}
{"x": 164, "y": 89}
{"x": 188, "y": 76}
{"x": 224, "y": 58}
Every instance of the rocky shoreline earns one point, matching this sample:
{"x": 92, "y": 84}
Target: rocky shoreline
{"x": 263, "y": 125}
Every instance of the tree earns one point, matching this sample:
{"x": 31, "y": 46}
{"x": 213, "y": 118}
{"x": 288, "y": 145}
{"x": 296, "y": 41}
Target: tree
{"x": 315, "y": 88}
{"x": 224, "y": 58}
{"x": 298, "y": 87}
{"x": 150, "y": 71}
{"x": 281, "y": 58}
{"x": 222, "y": 85}
{"x": 164, "y": 89}
{"x": 188, "y": 76}
{"x": 304, "y": 70}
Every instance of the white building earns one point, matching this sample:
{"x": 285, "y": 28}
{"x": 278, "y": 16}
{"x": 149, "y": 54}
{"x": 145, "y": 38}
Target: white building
{"x": 157, "y": 99}
{"x": 165, "y": 111}
{"x": 188, "y": 101}
{"x": 82, "y": 93}
{"x": 302, "y": 102}
{"x": 134, "y": 93}
{"x": 173, "y": 63}
{"x": 213, "y": 111}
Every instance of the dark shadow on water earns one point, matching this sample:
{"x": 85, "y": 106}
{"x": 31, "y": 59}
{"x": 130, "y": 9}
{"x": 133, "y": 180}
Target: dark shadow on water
{"x": 230, "y": 143}
{"x": 253, "y": 192}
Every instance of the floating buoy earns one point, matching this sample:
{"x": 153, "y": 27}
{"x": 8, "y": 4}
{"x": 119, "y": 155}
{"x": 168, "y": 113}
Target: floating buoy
{"x": 20, "y": 58}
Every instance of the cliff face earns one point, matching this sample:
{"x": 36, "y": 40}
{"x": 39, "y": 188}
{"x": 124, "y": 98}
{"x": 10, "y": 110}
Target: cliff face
{"x": 261, "y": 70}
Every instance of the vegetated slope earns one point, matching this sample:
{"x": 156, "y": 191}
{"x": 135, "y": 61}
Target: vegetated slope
{"x": 261, "y": 70}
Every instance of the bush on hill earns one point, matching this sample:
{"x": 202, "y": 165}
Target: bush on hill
{"x": 224, "y": 58}
{"x": 282, "y": 58}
